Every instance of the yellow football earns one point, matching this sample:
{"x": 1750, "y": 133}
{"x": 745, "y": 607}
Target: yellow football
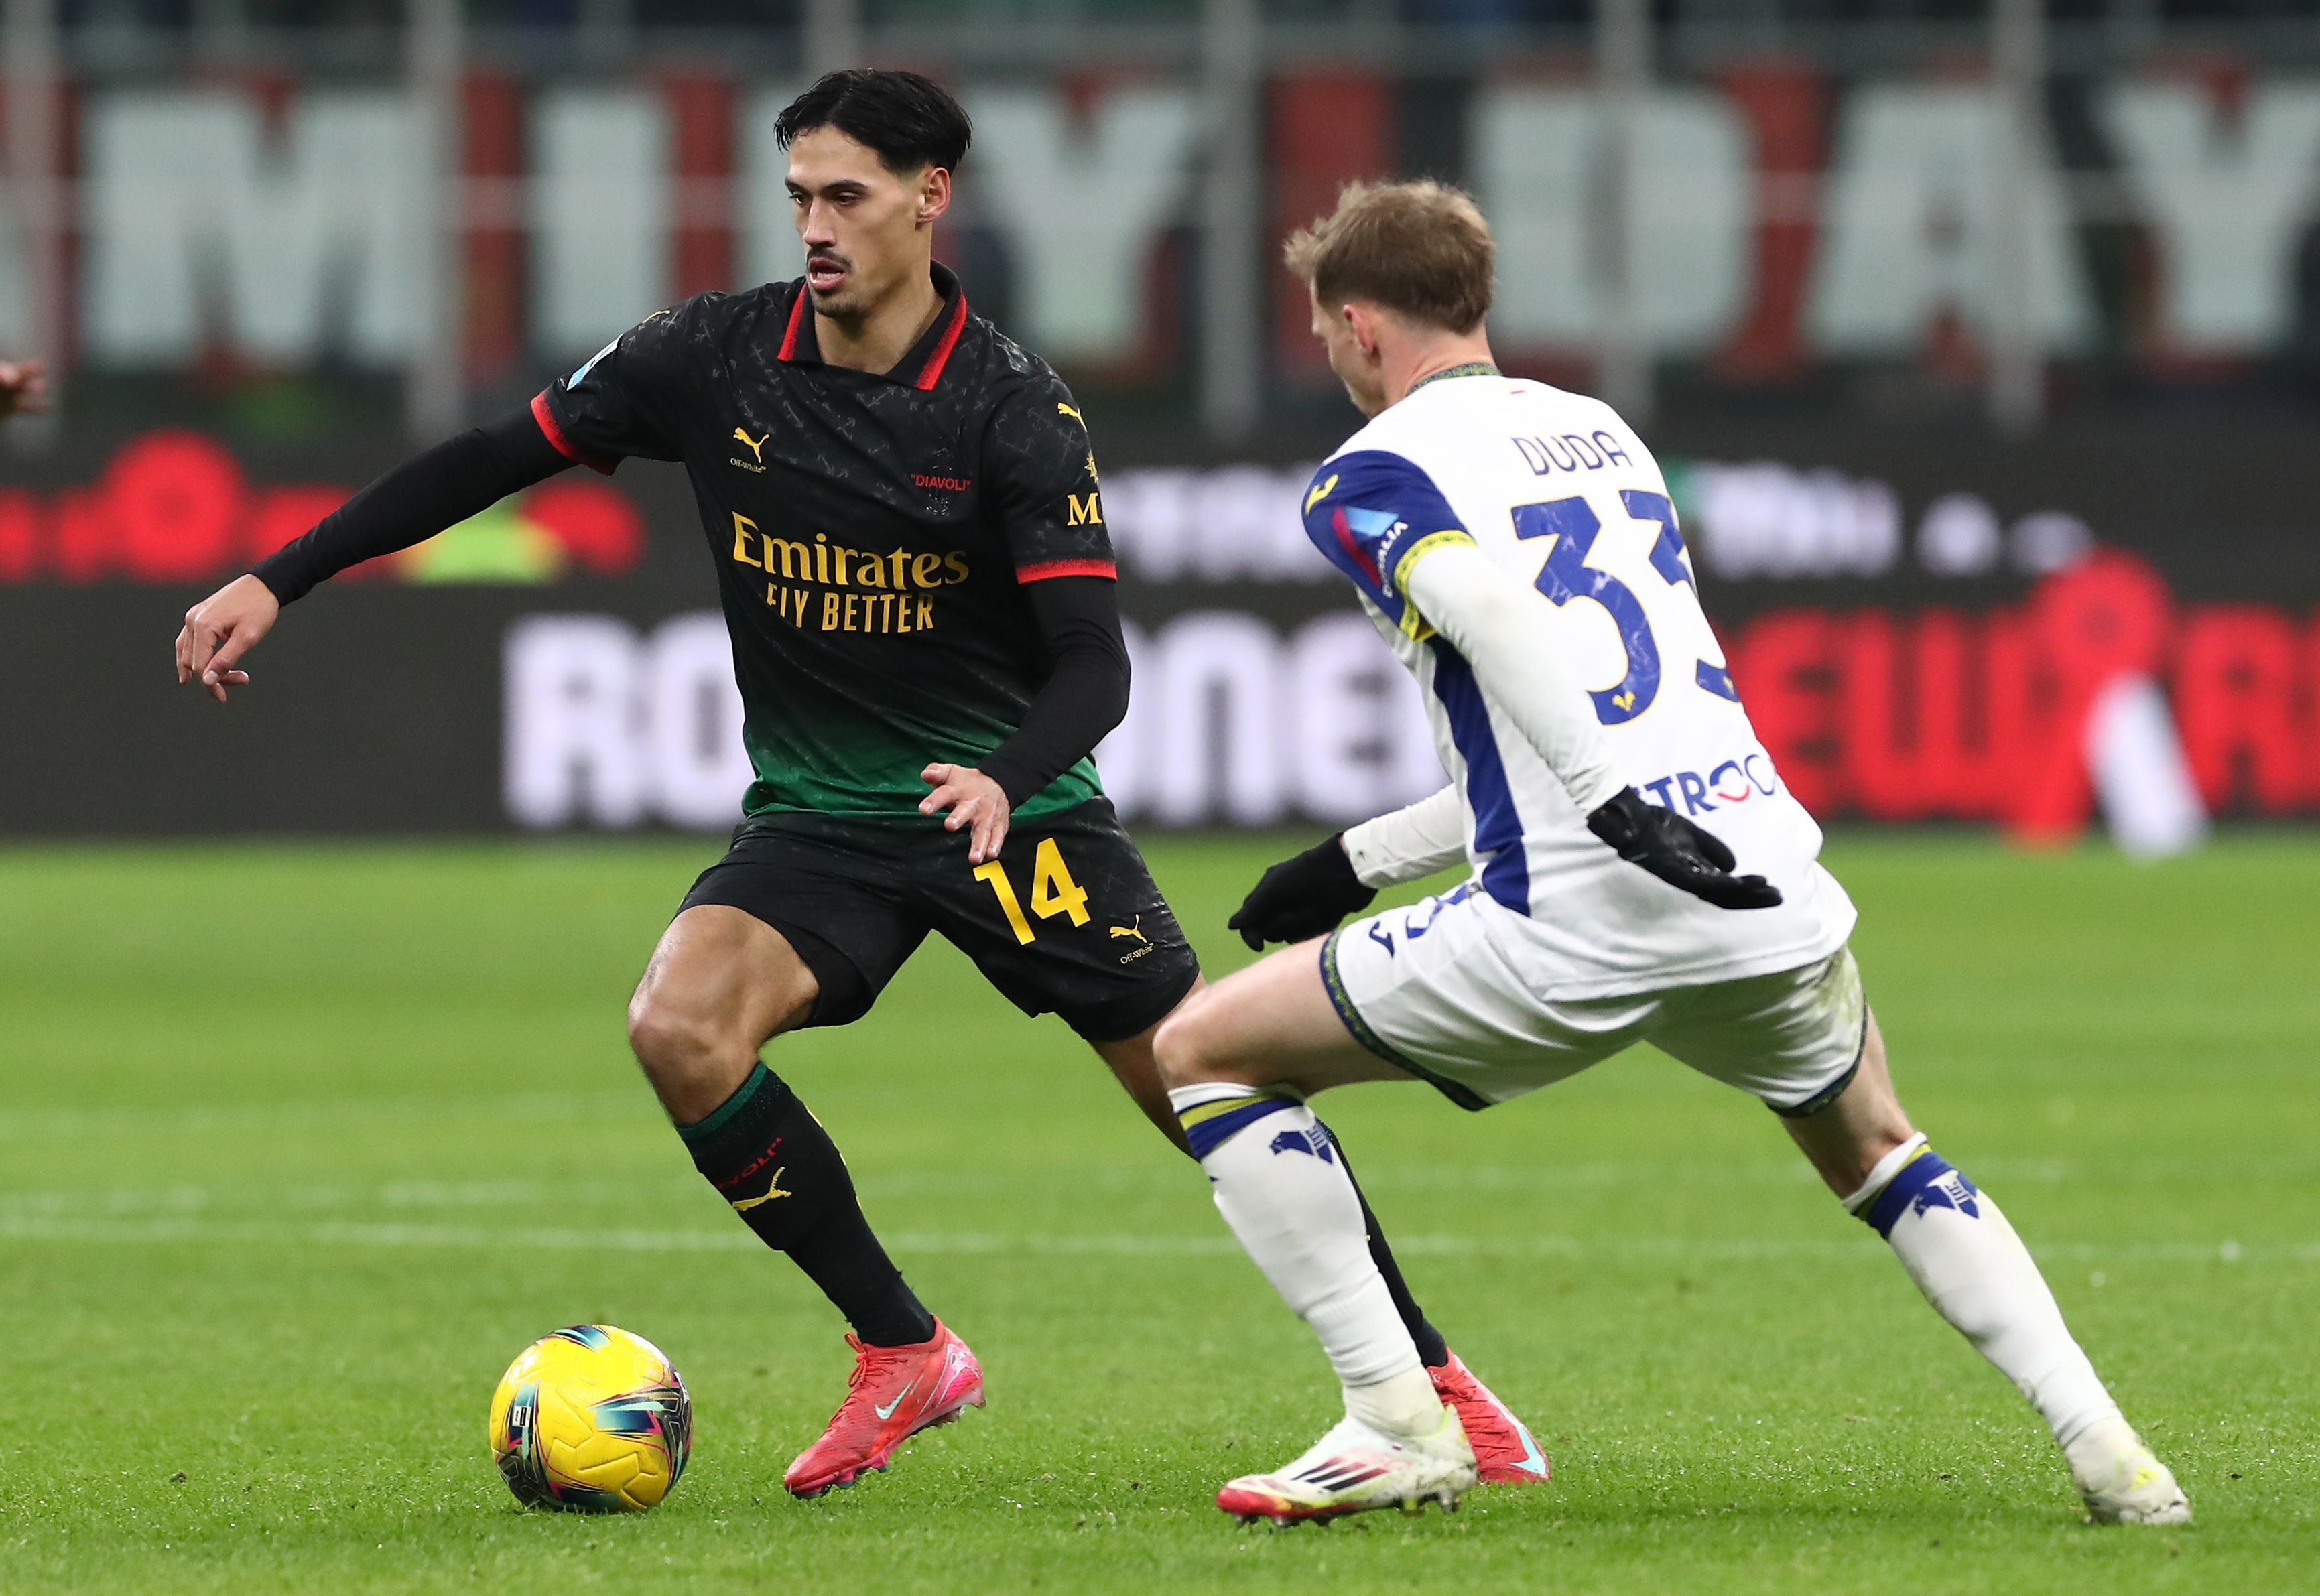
{"x": 591, "y": 1420}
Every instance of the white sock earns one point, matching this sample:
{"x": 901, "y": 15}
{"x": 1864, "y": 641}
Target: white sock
{"x": 1280, "y": 1186}
{"x": 1405, "y": 1404}
{"x": 1964, "y": 1255}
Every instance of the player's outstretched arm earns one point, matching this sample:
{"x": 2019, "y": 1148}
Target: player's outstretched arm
{"x": 431, "y": 491}
{"x": 1502, "y": 628}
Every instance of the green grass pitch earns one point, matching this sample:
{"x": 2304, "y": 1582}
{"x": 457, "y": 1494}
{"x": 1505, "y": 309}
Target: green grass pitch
{"x": 299, "y": 1146}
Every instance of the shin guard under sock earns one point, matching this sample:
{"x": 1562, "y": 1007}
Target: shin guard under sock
{"x": 772, "y": 1160}
{"x": 1433, "y": 1351}
{"x": 1974, "y": 1270}
{"x": 1283, "y": 1189}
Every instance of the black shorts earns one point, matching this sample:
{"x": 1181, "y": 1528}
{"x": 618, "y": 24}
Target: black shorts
{"x": 1065, "y": 921}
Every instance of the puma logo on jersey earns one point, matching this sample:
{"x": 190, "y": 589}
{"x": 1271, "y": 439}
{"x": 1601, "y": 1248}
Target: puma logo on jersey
{"x": 1064, "y": 409}
{"x": 1136, "y": 930}
{"x": 757, "y": 450}
{"x": 772, "y": 1190}
{"x": 1320, "y": 492}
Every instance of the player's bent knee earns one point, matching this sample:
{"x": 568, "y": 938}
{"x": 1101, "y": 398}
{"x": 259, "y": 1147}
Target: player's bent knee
{"x": 672, "y": 1042}
{"x": 1176, "y": 1048}
{"x": 693, "y": 1062}
{"x": 1194, "y": 1045}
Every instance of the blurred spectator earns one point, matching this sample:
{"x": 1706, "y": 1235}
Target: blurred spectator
{"x": 23, "y": 386}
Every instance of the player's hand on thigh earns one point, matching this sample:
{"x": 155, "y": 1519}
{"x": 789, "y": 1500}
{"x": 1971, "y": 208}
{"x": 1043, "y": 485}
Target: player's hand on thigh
{"x": 219, "y": 630}
{"x": 977, "y": 804}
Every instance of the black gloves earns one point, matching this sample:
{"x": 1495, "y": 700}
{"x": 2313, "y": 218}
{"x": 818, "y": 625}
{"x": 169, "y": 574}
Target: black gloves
{"x": 1673, "y": 848}
{"x": 1308, "y": 895}
{"x": 1303, "y": 897}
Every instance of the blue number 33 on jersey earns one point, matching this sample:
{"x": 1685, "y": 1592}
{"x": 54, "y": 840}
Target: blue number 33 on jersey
{"x": 1567, "y": 576}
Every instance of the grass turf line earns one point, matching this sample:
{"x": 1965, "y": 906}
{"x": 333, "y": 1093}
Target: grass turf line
{"x": 298, "y": 1146}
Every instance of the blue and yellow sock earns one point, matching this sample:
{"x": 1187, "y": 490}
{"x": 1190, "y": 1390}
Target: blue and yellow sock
{"x": 1912, "y": 1178}
{"x": 1213, "y": 1113}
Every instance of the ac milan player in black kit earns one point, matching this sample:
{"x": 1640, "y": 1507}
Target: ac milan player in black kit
{"x": 902, "y": 509}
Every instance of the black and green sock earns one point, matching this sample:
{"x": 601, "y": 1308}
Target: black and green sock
{"x": 772, "y": 1160}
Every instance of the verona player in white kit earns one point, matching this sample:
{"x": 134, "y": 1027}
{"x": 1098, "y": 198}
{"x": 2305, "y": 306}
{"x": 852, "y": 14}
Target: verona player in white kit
{"x": 1515, "y": 545}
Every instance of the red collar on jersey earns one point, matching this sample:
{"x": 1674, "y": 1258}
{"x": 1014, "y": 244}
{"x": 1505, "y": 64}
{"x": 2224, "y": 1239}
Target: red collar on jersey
{"x": 922, "y": 366}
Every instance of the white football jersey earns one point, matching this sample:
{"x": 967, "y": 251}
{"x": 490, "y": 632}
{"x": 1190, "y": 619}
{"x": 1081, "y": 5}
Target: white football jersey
{"x": 1562, "y": 496}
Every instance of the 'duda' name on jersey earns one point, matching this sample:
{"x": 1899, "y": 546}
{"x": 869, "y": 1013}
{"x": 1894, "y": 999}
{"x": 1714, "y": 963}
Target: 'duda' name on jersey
{"x": 1554, "y": 488}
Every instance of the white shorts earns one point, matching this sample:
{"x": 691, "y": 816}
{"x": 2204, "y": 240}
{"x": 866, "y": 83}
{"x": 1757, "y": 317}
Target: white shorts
{"x": 1437, "y": 989}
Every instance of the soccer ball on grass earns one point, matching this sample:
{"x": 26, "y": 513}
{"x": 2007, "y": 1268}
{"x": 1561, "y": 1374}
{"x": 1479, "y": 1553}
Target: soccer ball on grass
{"x": 592, "y": 1419}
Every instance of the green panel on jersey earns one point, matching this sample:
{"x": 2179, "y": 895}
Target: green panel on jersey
{"x": 878, "y": 778}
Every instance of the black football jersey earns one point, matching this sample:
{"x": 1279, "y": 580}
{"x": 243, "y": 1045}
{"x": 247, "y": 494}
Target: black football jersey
{"x": 871, "y": 532}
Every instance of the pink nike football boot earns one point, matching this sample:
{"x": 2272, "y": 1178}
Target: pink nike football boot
{"x": 1504, "y": 1448}
{"x": 893, "y": 1393}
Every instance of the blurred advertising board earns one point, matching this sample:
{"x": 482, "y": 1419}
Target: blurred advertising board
{"x": 1920, "y": 623}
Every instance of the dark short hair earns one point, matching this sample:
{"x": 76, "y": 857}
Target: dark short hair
{"x": 1420, "y": 249}
{"x": 910, "y": 121}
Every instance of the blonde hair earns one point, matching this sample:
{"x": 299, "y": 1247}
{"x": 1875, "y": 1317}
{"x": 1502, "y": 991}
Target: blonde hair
{"x": 1419, "y": 249}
